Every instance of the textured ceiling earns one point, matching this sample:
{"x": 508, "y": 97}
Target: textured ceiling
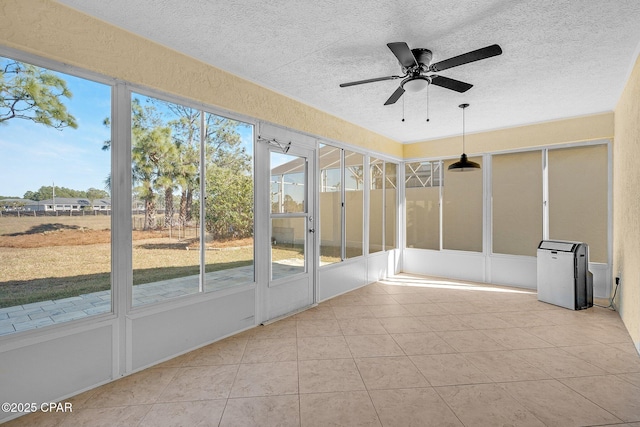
{"x": 561, "y": 58}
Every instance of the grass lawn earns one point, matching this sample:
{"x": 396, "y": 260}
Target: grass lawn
{"x": 46, "y": 258}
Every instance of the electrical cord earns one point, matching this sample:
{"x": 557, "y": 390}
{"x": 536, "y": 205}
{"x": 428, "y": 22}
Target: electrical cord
{"x": 612, "y": 299}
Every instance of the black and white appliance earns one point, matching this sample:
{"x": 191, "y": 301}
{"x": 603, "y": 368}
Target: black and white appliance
{"x": 564, "y": 278}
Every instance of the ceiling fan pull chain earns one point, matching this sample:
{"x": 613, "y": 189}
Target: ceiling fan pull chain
{"x": 428, "y": 103}
{"x": 403, "y": 109}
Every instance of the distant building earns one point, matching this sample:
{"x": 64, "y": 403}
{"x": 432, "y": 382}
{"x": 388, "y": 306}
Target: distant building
{"x": 68, "y": 204}
{"x": 15, "y": 204}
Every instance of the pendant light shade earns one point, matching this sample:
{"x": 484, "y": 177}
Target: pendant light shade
{"x": 464, "y": 164}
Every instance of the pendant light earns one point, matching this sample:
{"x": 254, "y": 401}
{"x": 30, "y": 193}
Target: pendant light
{"x": 464, "y": 165}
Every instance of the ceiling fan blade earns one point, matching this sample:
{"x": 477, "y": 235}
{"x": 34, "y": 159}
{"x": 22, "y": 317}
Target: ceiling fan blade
{"x": 465, "y": 58}
{"x": 452, "y": 84}
{"x": 378, "y": 79}
{"x": 403, "y": 53}
{"x": 395, "y": 96}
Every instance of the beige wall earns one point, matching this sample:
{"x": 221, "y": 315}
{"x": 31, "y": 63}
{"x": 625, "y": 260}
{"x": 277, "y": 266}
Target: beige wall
{"x": 578, "y": 202}
{"x": 376, "y": 197}
{"x": 53, "y": 31}
{"x": 330, "y": 220}
{"x": 462, "y": 215}
{"x": 354, "y": 205}
{"x": 626, "y": 203}
{"x": 516, "y": 203}
{"x": 423, "y": 217}
{"x": 598, "y": 126}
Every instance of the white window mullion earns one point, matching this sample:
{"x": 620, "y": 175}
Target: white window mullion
{"x": 384, "y": 207}
{"x": 121, "y": 222}
{"x": 401, "y": 210}
{"x": 441, "y": 196}
{"x": 343, "y": 216}
{"x": 545, "y": 194}
{"x": 487, "y": 235}
{"x": 366, "y": 175}
{"x": 203, "y": 181}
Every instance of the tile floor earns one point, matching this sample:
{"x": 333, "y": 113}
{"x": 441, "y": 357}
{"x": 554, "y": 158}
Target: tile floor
{"x": 408, "y": 351}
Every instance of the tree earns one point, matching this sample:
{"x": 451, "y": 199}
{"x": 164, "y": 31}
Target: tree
{"x": 31, "y": 195}
{"x": 185, "y": 171}
{"x": 106, "y": 146}
{"x": 224, "y": 145}
{"x": 223, "y": 149}
{"x": 229, "y": 203}
{"x": 152, "y": 157}
{"x": 229, "y": 182}
{"x": 151, "y": 147}
{"x": 95, "y": 193}
{"x": 46, "y": 192}
{"x": 166, "y": 159}
{"x": 32, "y": 93}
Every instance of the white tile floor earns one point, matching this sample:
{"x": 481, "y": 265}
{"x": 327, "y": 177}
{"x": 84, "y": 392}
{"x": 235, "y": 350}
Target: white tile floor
{"x": 409, "y": 351}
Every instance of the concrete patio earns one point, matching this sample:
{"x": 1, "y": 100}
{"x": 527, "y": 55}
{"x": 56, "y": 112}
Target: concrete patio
{"x": 43, "y": 313}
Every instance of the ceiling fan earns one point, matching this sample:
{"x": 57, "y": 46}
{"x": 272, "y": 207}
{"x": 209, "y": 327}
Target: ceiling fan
{"x": 416, "y": 66}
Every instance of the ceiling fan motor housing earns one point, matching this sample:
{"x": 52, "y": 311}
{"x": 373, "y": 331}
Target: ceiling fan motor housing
{"x": 416, "y": 81}
{"x": 423, "y": 58}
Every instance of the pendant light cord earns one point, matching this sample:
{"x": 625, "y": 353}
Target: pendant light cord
{"x": 463, "y": 106}
{"x": 464, "y": 164}
{"x": 463, "y": 127}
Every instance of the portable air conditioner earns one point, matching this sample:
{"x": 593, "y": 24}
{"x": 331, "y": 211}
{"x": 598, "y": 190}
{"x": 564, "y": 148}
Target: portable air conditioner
{"x": 564, "y": 278}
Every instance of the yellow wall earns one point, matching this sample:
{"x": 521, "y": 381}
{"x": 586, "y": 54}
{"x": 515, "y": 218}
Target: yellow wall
{"x": 626, "y": 203}
{"x": 598, "y": 126}
{"x": 53, "y": 31}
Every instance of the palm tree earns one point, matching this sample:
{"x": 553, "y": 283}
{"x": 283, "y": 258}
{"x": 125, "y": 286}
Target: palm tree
{"x": 151, "y": 151}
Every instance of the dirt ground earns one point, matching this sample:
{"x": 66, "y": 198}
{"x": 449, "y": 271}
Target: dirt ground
{"x": 56, "y": 234}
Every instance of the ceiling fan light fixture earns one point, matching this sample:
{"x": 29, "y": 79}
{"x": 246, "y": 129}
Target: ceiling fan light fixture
{"x": 464, "y": 164}
{"x": 415, "y": 84}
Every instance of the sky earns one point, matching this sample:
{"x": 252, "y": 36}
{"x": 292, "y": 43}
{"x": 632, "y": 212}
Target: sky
{"x": 33, "y": 155}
